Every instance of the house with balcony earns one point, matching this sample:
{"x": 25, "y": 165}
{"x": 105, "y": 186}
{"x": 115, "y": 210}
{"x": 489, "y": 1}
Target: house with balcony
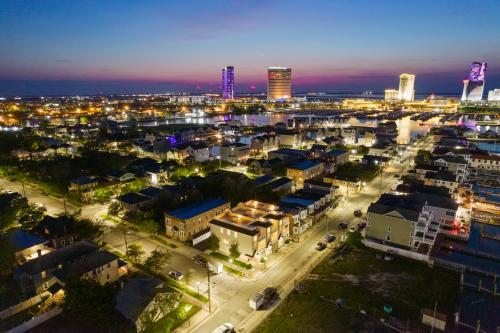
{"x": 401, "y": 221}
{"x": 83, "y": 259}
{"x": 256, "y": 227}
{"x": 235, "y": 153}
{"x": 454, "y": 164}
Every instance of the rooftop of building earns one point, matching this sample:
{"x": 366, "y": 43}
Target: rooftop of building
{"x": 136, "y": 295}
{"x": 297, "y": 201}
{"x": 86, "y": 263}
{"x": 404, "y": 205}
{"x": 304, "y": 165}
{"x": 59, "y": 256}
{"x": 132, "y": 198}
{"x": 196, "y": 209}
{"x": 21, "y": 240}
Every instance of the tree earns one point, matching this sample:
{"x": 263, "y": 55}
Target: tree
{"x": 88, "y": 229}
{"x": 7, "y": 256}
{"x": 114, "y": 209}
{"x": 214, "y": 243}
{"x": 135, "y": 252}
{"x": 9, "y": 210}
{"x": 156, "y": 260}
{"x": 31, "y": 215}
{"x": 87, "y": 302}
{"x": 162, "y": 304}
{"x": 188, "y": 277}
{"x": 234, "y": 251}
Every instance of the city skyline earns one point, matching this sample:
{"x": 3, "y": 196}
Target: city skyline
{"x": 156, "y": 47}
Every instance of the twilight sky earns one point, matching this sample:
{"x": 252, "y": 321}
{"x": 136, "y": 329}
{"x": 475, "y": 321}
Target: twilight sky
{"x": 124, "y": 46}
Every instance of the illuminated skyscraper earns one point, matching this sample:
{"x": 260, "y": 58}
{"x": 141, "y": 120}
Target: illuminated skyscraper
{"x": 279, "y": 83}
{"x": 228, "y": 82}
{"x": 391, "y": 95}
{"x": 474, "y": 84}
{"x": 406, "y": 87}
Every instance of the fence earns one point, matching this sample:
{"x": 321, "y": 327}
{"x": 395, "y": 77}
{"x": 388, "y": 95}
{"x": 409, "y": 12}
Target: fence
{"x": 23, "y": 305}
{"x": 202, "y": 237}
{"x": 25, "y": 327}
{"x": 394, "y": 250}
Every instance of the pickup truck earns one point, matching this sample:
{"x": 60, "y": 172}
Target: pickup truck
{"x": 269, "y": 295}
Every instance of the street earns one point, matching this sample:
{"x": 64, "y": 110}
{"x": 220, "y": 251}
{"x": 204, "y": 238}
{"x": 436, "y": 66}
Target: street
{"x": 230, "y": 294}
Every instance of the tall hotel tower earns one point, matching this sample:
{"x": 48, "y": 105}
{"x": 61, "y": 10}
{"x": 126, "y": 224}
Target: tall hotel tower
{"x": 228, "y": 82}
{"x": 406, "y": 87}
{"x": 279, "y": 83}
{"x": 474, "y": 84}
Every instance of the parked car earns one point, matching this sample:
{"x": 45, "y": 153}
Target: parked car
{"x": 396, "y": 175}
{"x": 343, "y": 225}
{"x": 199, "y": 260}
{"x": 358, "y": 213}
{"x": 176, "y": 275}
{"x": 329, "y": 238}
{"x": 320, "y": 246}
{"x": 224, "y": 328}
{"x": 361, "y": 225}
{"x": 352, "y": 229}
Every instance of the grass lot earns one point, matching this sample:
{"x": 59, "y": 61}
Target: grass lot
{"x": 175, "y": 318}
{"x": 164, "y": 242}
{"x": 235, "y": 261}
{"x": 366, "y": 283}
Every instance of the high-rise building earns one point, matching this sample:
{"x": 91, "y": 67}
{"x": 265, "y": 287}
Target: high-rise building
{"x": 391, "y": 95}
{"x": 279, "y": 83}
{"x": 406, "y": 87}
{"x": 494, "y": 95}
{"x": 228, "y": 82}
{"x": 474, "y": 84}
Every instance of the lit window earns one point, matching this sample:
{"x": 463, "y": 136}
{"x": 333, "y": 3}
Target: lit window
{"x": 388, "y": 229}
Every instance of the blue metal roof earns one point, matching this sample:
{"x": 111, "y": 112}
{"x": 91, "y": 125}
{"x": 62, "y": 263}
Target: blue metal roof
{"x": 196, "y": 208}
{"x": 297, "y": 201}
{"x": 305, "y": 165}
{"x": 22, "y": 240}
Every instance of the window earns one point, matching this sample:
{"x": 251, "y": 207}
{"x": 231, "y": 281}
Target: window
{"x": 387, "y": 238}
{"x": 43, "y": 274}
{"x": 45, "y": 286}
{"x": 107, "y": 276}
{"x": 388, "y": 229}
{"x": 411, "y": 234}
{"x": 63, "y": 242}
{"x": 71, "y": 239}
{"x": 109, "y": 265}
{"x": 222, "y": 230}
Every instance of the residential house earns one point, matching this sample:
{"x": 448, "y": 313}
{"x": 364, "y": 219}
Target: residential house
{"x": 288, "y": 155}
{"x": 197, "y": 150}
{"x": 83, "y": 183}
{"x": 138, "y": 296}
{"x": 402, "y": 222}
{"x": 443, "y": 178}
{"x": 27, "y": 246}
{"x": 289, "y": 138}
{"x": 281, "y": 185}
{"x": 121, "y": 176}
{"x": 82, "y": 259}
{"x": 263, "y": 144}
{"x": 235, "y": 153}
{"x": 59, "y": 231}
{"x": 345, "y": 183}
{"x": 184, "y": 223}
{"x": 301, "y": 171}
{"x": 255, "y": 226}
{"x": 455, "y": 164}
{"x": 485, "y": 162}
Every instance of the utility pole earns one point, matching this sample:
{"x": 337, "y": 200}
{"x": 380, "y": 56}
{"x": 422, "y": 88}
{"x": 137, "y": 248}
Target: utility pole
{"x": 434, "y": 317}
{"x": 125, "y": 238}
{"x": 209, "y": 299}
{"x": 64, "y": 202}
{"x": 380, "y": 187}
{"x": 24, "y": 190}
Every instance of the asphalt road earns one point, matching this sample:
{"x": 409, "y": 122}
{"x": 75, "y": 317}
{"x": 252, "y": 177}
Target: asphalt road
{"x": 229, "y": 294}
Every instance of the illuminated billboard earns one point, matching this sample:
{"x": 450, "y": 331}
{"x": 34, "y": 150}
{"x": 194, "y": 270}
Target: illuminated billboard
{"x": 474, "y": 84}
{"x": 477, "y": 71}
